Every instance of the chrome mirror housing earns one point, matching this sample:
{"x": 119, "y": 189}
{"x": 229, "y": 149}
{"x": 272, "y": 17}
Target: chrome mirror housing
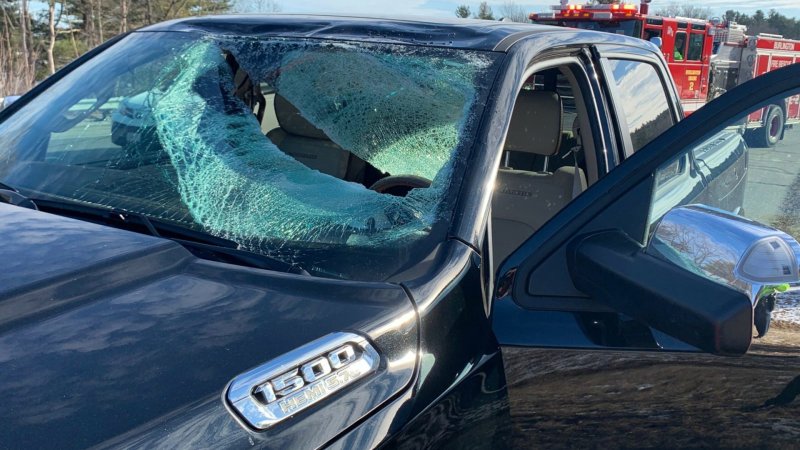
{"x": 743, "y": 254}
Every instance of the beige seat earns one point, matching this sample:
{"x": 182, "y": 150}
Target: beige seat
{"x": 307, "y": 143}
{"x": 523, "y": 201}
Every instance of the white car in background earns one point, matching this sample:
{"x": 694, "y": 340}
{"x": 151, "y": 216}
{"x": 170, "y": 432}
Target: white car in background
{"x": 5, "y": 101}
{"x": 132, "y": 120}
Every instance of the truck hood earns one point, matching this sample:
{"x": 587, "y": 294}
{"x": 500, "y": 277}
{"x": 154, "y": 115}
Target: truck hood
{"x": 107, "y": 335}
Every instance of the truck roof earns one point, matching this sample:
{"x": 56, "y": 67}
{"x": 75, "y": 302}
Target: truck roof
{"x": 435, "y": 32}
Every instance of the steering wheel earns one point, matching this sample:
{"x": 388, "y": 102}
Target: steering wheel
{"x": 399, "y": 185}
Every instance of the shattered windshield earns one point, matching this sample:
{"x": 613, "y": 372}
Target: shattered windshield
{"x": 335, "y": 156}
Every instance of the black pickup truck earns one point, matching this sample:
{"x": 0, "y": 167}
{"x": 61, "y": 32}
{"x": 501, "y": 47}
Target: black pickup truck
{"x": 311, "y": 231}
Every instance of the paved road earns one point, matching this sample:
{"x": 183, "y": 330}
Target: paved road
{"x": 774, "y": 180}
{"x": 772, "y": 196}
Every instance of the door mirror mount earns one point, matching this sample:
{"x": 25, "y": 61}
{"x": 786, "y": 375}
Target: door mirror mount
{"x": 693, "y": 281}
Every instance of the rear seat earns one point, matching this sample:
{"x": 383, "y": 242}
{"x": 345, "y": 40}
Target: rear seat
{"x": 307, "y": 143}
{"x": 524, "y": 200}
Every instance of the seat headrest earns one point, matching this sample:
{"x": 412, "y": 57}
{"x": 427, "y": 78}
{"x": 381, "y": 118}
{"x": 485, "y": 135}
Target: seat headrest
{"x": 292, "y": 122}
{"x": 535, "y": 123}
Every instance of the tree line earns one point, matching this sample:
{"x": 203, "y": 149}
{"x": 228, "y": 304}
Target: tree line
{"x": 37, "y": 38}
{"x": 772, "y": 22}
{"x": 507, "y": 11}
{"x": 759, "y": 22}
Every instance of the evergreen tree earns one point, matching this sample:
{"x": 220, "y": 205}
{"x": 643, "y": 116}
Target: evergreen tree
{"x": 463, "y": 11}
{"x": 484, "y": 12}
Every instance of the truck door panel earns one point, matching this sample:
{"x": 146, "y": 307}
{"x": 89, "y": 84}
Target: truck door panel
{"x": 582, "y": 375}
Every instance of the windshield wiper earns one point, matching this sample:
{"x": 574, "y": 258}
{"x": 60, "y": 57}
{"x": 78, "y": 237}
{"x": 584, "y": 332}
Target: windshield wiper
{"x": 201, "y": 244}
{"x": 11, "y": 195}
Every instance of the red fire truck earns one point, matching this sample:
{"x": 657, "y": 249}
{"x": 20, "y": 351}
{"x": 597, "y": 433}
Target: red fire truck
{"x": 705, "y": 58}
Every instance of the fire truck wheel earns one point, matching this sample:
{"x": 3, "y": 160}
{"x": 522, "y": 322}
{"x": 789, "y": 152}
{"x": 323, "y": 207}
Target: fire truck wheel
{"x": 772, "y": 131}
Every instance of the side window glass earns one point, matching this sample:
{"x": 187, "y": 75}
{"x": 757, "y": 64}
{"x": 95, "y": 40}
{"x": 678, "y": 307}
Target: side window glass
{"x": 636, "y": 81}
{"x": 750, "y": 168}
{"x": 680, "y": 46}
{"x": 650, "y": 33}
{"x": 695, "y": 47}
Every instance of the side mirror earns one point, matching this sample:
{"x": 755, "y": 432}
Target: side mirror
{"x": 732, "y": 250}
{"x": 656, "y": 41}
{"x": 698, "y": 280}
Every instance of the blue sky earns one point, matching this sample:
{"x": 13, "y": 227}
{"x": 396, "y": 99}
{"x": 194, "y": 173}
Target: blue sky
{"x": 442, "y": 8}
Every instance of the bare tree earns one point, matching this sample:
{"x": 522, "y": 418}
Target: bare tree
{"x": 100, "y": 20}
{"x": 674, "y": 9}
{"x": 123, "y": 20}
{"x": 72, "y": 29}
{"x": 463, "y": 11}
{"x": 28, "y": 61}
{"x": 259, "y": 6}
{"x": 89, "y": 26}
{"x": 23, "y": 27}
{"x": 513, "y": 12}
{"x": 18, "y": 49}
{"x": 51, "y": 22}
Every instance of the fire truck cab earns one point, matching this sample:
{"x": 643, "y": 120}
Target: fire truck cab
{"x": 705, "y": 58}
{"x": 686, "y": 43}
{"x": 739, "y": 58}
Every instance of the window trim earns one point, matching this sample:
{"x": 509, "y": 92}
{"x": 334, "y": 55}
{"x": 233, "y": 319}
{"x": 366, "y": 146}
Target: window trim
{"x": 593, "y": 110}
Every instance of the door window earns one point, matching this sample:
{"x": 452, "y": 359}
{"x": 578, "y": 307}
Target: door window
{"x": 695, "y": 52}
{"x": 680, "y": 46}
{"x": 644, "y": 120}
{"x": 650, "y": 33}
{"x": 751, "y": 168}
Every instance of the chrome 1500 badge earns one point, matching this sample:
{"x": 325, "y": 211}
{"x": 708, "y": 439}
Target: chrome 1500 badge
{"x": 293, "y": 382}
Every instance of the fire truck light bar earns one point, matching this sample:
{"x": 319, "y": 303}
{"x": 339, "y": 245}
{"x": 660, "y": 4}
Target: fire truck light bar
{"x": 598, "y": 12}
{"x": 615, "y": 7}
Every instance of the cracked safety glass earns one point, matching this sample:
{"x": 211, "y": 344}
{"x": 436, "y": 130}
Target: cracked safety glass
{"x": 339, "y": 157}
